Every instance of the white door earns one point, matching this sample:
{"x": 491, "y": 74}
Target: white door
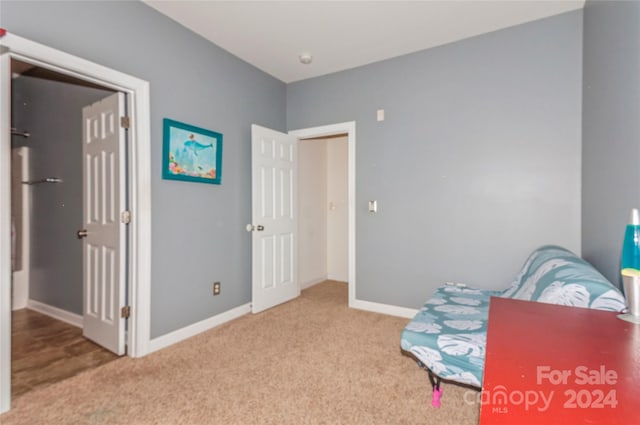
{"x": 274, "y": 218}
{"x": 104, "y": 246}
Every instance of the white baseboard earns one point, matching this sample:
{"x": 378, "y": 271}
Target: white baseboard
{"x": 390, "y": 310}
{"x": 55, "y": 312}
{"x": 188, "y": 331}
{"x": 212, "y": 322}
{"x": 312, "y": 282}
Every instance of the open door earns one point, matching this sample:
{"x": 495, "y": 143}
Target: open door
{"x": 274, "y": 218}
{"x": 104, "y": 233}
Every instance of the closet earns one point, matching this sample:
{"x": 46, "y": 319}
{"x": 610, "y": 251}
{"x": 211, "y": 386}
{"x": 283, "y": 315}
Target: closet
{"x": 46, "y": 210}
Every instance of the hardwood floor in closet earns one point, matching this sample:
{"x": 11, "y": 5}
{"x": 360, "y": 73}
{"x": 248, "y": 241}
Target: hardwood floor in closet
{"x": 45, "y": 350}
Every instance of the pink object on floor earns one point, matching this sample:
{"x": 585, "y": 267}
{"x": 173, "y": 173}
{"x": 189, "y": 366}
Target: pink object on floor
{"x": 437, "y": 393}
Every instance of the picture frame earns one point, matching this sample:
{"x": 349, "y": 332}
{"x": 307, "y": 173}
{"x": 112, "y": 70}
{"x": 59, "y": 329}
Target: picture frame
{"x": 191, "y": 153}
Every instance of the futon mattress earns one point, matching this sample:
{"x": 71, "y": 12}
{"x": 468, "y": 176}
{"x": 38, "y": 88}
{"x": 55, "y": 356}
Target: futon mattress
{"x": 449, "y": 333}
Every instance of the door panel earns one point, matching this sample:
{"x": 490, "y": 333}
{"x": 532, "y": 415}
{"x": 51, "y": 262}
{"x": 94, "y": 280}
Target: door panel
{"x": 104, "y": 246}
{"x": 274, "y": 216}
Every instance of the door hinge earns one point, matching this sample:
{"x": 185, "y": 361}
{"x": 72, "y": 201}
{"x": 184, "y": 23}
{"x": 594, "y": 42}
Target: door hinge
{"x": 125, "y": 216}
{"x": 125, "y": 122}
{"x": 125, "y": 312}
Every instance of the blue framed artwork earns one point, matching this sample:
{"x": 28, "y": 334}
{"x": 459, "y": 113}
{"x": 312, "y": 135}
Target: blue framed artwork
{"x": 191, "y": 153}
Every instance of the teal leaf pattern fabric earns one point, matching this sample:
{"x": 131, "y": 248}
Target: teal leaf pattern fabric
{"x": 555, "y": 275}
{"x": 456, "y": 351}
{"x": 448, "y": 334}
{"x": 610, "y": 300}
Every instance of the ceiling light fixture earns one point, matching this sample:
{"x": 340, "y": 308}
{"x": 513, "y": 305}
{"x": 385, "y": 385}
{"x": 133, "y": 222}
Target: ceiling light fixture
{"x": 305, "y": 58}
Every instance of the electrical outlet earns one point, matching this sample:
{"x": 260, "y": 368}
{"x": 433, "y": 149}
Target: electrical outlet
{"x": 216, "y": 288}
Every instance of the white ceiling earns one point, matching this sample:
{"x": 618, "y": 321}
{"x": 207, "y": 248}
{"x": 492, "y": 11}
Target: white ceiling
{"x": 345, "y": 34}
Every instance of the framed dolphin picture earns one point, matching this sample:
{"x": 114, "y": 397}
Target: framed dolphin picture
{"x": 191, "y": 153}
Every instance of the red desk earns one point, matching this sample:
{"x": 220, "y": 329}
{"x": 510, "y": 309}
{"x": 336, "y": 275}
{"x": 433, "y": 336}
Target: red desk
{"x": 549, "y": 364}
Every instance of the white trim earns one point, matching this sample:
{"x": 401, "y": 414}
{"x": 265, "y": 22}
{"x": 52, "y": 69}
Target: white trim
{"x": 55, "y": 312}
{"x": 197, "y": 328}
{"x": 390, "y": 310}
{"x": 331, "y": 130}
{"x": 311, "y": 282}
{"x": 5, "y": 231}
{"x": 140, "y": 172}
{"x": 140, "y": 257}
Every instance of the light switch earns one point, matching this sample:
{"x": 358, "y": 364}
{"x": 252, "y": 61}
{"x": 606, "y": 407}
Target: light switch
{"x": 373, "y": 206}
{"x": 380, "y": 115}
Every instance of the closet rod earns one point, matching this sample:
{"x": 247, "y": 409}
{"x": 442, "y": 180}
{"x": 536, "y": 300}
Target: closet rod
{"x": 46, "y": 180}
{"x": 20, "y": 133}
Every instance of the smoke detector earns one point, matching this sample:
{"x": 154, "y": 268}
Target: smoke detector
{"x": 305, "y": 58}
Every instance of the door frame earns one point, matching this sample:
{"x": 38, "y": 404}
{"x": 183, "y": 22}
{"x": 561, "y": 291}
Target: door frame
{"x": 332, "y": 130}
{"x": 138, "y": 105}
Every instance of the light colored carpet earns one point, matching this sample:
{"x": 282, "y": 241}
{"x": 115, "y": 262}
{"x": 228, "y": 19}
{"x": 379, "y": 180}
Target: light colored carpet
{"x": 309, "y": 361}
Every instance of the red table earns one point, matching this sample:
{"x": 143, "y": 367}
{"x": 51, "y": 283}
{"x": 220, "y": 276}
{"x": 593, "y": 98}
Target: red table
{"x": 550, "y": 364}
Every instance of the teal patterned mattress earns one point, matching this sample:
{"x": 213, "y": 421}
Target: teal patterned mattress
{"x": 448, "y": 334}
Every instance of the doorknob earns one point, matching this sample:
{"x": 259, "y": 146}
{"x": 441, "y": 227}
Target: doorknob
{"x": 252, "y": 228}
{"x": 82, "y": 233}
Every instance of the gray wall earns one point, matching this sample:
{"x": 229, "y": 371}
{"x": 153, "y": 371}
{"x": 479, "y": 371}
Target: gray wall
{"x": 476, "y": 164}
{"x": 198, "y": 233}
{"x": 610, "y": 128}
{"x": 52, "y": 112}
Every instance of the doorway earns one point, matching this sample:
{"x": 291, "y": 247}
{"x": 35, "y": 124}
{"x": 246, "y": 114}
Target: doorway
{"x": 323, "y": 205}
{"x": 47, "y": 211}
{"x": 139, "y": 238}
{"x": 274, "y": 227}
{"x": 347, "y": 132}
